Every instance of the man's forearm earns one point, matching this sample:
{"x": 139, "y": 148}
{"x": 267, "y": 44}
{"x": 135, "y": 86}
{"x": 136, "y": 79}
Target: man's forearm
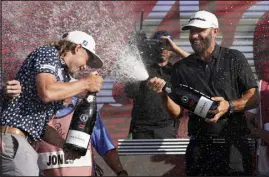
{"x": 171, "y": 107}
{"x": 182, "y": 53}
{"x": 59, "y": 91}
{"x": 53, "y": 137}
{"x": 248, "y": 101}
{"x": 112, "y": 159}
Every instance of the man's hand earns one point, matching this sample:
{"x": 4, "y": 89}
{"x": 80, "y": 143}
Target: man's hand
{"x": 59, "y": 142}
{"x": 94, "y": 82}
{"x": 220, "y": 111}
{"x": 173, "y": 46}
{"x": 67, "y": 101}
{"x": 122, "y": 174}
{"x": 53, "y": 137}
{"x": 70, "y": 154}
{"x": 12, "y": 88}
{"x": 156, "y": 84}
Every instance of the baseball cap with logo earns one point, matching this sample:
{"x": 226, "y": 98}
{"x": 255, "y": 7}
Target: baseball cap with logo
{"x": 87, "y": 42}
{"x": 202, "y": 19}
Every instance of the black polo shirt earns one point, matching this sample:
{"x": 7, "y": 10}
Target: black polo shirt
{"x": 148, "y": 112}
{"x": 226, "y": 74}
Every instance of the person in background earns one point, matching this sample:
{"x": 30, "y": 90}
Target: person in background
{"x": 45, "y": 75}
{"x": 224, "y": 75}
{"x": 51, "y": 159}
{"x": 259, "y": 125}
{"x": 10, "y": 90}
{"x": 259, "y": 118}
{"x": 85, "y": 166}
{"x": 149, "y": 120}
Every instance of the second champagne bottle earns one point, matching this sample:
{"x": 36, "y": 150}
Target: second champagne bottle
{"x": 192, "y": 100}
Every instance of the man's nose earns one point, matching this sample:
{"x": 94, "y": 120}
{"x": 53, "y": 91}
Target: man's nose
{"x": 194, "y": 35}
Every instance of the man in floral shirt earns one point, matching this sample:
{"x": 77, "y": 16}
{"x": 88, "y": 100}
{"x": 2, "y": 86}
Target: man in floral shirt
{"x": 44, "y": 76}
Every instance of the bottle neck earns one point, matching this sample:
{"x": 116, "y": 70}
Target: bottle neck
{"x": 91, "y": 97}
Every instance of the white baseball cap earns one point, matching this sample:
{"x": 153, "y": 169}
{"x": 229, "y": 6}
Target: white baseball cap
{"x": 202, "y": 19}
{"x": 87, "y": 42}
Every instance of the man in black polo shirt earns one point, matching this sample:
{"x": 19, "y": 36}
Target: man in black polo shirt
{"x": 149, "y": 119}
{"x": 225, "y": 75}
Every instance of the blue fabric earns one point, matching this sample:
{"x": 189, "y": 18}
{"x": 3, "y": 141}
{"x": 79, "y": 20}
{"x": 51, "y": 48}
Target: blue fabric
{"x": 100, "y": 138}
{"x": 68, "y": 109}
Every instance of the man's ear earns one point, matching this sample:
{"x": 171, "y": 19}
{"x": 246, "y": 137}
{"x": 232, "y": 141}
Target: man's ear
{"x": 78, "y": 46}
{"x": 215, "y": 32}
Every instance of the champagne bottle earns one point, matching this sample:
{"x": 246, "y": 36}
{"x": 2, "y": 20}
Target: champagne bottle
{"x": 82, "y": 124}
{"x": 192, "y": 100}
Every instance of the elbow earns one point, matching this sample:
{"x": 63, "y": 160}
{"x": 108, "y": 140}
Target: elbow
{"x": 176, "y": 115}
{"x": 45, "y": 97}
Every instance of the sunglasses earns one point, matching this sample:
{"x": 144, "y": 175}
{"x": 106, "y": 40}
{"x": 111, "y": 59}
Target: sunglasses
{"x": 159, "y": 35}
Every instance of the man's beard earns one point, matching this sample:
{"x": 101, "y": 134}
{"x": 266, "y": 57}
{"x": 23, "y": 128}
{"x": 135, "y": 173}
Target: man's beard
{"x": 202, "y": 45}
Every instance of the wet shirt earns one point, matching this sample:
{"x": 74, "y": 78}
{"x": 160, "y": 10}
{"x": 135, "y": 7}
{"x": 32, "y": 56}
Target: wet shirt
{"x": 28, "y": 112}
{"x": 148, "y": 111}
{"x": 226, "y": 74}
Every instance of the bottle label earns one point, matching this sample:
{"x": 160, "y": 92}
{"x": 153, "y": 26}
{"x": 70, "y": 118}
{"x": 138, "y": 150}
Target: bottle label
{"x": 90, "y": 98}
{"x": 203, "y": 106}
{"x": 78, "y": 138}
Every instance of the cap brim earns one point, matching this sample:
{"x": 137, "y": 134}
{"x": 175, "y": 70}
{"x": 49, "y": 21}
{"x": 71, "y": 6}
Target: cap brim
{"x": 186, "y": 27}
{"x": 196, "y": 24}
{"x": 95, "y": 62}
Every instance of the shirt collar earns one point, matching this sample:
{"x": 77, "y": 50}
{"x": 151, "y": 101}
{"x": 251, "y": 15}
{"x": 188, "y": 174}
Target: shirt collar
{"x": 215, "y": 53}
{"x": 65, "y": 68}
{"x": 156, "y": 66}
{"x": 63, "y": 63}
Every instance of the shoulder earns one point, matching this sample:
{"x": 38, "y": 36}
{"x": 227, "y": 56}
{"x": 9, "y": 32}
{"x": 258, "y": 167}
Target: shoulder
{"x": 185, "y": 61}
{"x": 46, "y": 50}
{"x": 234, "y": 53}
{"x": 45, "y": 54}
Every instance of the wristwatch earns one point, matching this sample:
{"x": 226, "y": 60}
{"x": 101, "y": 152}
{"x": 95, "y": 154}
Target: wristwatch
{"x": 231, "y": 107}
